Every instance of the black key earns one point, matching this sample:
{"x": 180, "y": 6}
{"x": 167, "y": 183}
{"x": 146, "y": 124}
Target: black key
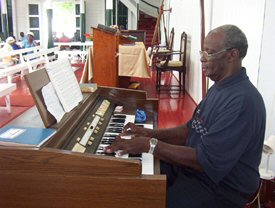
{"x": 116, "y": 125}
{"x": 140, "y": 125}
{"x": 118, "y": 120}
{"x": 119, "y": 116}
{"x": 115, "y": 130}
{"x": 109, "y": 135}
{"x": 109, "y": 138}
{"x": 135, "y": 155}
{"x": 106, "y": 142}
{"x": 110, "y": 154}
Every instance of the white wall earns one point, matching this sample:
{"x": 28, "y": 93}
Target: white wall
{"x": 248, "y": 16}
{"x": 185, "y": 17}
{"x": 267, "y": 72}
{"x": 21, "y": 14}
{"x": 95, "y": 13}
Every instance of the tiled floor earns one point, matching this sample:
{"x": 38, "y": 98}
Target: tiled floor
{"x": 174, "y": 109}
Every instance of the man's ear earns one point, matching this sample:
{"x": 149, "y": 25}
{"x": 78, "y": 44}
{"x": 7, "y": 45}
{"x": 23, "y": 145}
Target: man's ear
{"x": 234, "y": 54}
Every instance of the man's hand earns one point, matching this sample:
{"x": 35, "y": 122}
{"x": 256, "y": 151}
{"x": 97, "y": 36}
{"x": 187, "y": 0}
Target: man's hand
{"x": 135, "y": 145}
{"x": 132, "y": 129}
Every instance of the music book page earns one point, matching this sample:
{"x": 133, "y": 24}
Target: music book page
{"x": 52, "y": 102}
{"x": 65, "y": 83}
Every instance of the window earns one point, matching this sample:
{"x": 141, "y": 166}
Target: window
{"x": 77, "y": 17}
{"x": 34, "y": 20}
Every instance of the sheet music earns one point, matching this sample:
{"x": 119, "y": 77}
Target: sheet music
{"x": 65, "y": 83}
{"x": 52, "y": 102}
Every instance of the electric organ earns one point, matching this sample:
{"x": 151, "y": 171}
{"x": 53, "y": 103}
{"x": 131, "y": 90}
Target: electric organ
{"x": 71, "y": 168}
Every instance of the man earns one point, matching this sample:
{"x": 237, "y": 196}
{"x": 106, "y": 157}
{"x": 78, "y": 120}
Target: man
{"x": 29, "y": 41}
{"x": 22, "y": 36}
{"x": 212, "y": 160}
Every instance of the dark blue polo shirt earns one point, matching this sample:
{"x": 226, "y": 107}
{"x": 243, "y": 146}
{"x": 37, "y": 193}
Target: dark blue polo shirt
{"x": 227, "y": 130}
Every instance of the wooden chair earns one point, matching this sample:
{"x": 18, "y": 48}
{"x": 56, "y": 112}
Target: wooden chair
{"x": 160, "y": 51}
{"x": 172, "y": 65}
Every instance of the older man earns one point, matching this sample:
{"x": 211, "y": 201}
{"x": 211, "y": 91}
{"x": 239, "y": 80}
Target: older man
{"x": 212, "y": 160}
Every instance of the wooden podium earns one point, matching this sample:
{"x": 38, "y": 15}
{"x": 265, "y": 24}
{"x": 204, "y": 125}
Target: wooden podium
{"x": 105, "y": 70}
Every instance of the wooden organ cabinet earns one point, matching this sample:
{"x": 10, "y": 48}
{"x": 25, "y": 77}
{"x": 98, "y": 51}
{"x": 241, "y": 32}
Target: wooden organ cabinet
{"x": 55, "y": 176}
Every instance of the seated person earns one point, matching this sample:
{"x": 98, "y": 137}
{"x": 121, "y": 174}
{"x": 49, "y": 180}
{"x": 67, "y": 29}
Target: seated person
{"x": 29, "y": 41}
{"x": 75, "y": 38}
{"x": 64, "y": 39}
{"x": 212, "y": 160}
{"x": 55, "y": 38}
{"x": 22, "y": 37}
{"x": 8, "y": 46}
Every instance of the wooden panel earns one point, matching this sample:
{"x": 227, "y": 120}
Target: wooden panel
{"x": 56, "y": 178}
{"x": 35, "y": 190}
{"x": 105, "y": 71}
{"x": 50, "y": 161}
{"x": 36, "y": 81}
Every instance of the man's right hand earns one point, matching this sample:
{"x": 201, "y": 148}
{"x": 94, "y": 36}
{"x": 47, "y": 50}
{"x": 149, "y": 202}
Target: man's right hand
{"x": 132, "y": 129}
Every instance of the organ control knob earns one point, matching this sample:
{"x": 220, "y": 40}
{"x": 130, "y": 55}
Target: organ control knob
{"x": 78, "y": 139}
{"x": 95, "y": 131}
{"x": 102, "y": 119}
{"x": 90, "y": 143}
{"x": 97, "y": 128}
{"x": 92, "y": 138}
{"x": 99, "y": 123}
{"x": 85, "y": 128}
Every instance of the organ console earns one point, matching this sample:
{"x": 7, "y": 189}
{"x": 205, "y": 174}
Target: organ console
{"x": 71, "y": 169}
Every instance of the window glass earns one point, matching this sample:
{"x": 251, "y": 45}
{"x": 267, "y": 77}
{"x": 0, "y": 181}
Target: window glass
{"x": 34, "y": 22}
{"x": 33, "y": 9}
{"x": 36, "y": 34}
{"x": 77, "y": 21}
{"x": 77, "y": 9}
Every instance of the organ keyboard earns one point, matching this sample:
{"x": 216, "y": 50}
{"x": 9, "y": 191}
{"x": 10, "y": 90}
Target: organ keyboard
{"x": 90, "y": 139}
{"x": 70, "y": 169}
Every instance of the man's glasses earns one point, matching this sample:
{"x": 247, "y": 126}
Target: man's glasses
{"x": 211, "y": 55}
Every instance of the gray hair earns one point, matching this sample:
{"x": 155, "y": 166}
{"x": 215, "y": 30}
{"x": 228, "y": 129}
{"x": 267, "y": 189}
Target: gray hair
{"x": 233, "y": 38}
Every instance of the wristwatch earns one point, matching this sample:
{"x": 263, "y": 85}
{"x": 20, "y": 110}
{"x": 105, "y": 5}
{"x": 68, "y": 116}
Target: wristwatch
{"x": 153, "y": 144}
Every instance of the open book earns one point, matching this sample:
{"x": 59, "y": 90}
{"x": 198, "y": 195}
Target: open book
{"x": 62, "y": 93}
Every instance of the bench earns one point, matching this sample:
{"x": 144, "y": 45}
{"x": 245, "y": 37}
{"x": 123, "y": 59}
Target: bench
{"x": 6, "y": 90}
{"x": 71, "y": 54}
{"x": 74, "y": 53}
{"x": 37, "y": 60}
{"x": 9, "y": 70}
{"x": 20, "y": 52}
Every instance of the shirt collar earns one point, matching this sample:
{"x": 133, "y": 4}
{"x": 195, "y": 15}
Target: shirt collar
{"x": 235, "y": 78}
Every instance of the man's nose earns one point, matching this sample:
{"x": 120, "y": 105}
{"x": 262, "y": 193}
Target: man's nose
{"x": 202, "y": 58}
